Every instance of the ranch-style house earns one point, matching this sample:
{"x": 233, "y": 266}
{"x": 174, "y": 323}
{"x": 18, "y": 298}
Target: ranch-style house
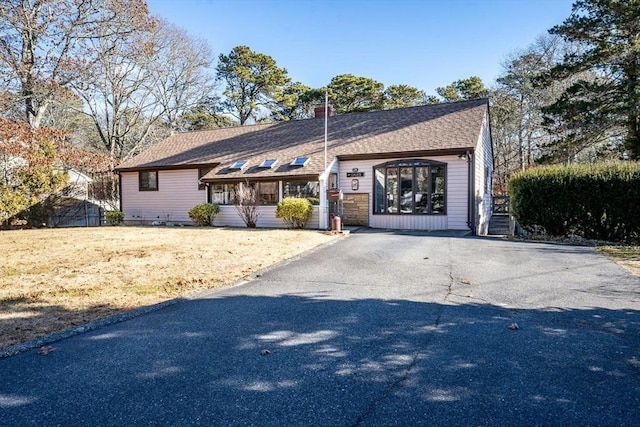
{"x": 416, "y": 168}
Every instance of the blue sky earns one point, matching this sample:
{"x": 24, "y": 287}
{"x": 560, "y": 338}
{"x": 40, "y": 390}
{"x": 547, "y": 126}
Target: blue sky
{"x": 422, "y": 43}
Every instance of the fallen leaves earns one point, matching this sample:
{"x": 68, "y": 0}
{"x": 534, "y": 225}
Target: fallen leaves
{"x": 45, "y": 349}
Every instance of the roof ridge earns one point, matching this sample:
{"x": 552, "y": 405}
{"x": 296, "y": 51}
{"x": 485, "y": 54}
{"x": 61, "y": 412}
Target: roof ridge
{"x": 224, "y": 127}
{"x": 351, "y": 113}
{"x": 441, "y": 126}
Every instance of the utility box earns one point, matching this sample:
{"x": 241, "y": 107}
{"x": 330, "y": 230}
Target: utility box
{"x": 334, "y": 195}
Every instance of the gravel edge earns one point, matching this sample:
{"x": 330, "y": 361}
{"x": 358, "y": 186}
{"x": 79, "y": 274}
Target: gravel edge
{"x": 91, "y": 326}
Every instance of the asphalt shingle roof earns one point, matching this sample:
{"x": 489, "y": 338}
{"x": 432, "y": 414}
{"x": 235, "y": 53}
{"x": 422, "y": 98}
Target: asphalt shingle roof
{"x": 429, "y": 128}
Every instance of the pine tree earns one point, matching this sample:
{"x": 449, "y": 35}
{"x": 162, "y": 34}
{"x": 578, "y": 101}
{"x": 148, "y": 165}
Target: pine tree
{"x": 606, "y": 105}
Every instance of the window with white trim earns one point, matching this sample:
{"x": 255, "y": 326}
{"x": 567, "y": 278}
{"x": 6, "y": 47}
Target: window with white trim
{"x": 224, "y": 194}
{"x": 300, "y": 161}
{"x": 267, "y": 192}
{"x": 238, "y": 165}
{"x": 268, "y": 163}
{"x": 221, "y": 194}
{"x": 301, "y": 189}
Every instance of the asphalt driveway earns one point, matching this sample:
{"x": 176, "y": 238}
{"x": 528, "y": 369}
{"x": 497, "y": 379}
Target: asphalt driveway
{"x": 379, "y": 328}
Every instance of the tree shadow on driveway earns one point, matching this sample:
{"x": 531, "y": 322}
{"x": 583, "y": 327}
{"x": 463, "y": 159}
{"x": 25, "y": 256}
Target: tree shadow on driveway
{"x": 335, "y": 362}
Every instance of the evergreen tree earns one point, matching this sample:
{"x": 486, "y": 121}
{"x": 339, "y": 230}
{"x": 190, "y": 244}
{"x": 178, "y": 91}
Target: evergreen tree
{"x": 349, "y": 93}
{"x": 252, "y": 80}
{"x": 607, "y": 106}
{"x": 470, "y": 88}
{"x": 398, "y": 96}
{"x": 295, "y": 101}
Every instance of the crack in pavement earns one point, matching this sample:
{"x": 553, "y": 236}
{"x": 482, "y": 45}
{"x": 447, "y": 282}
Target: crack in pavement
{"x": 398, "y": 383}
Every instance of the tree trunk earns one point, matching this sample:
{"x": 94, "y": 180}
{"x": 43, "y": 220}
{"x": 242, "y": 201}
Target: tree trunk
{"x": 632, "y": 143}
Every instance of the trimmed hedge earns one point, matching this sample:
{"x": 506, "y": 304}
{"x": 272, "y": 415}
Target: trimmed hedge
{"x": 593, "y": 201}
{"x": 204, "y": 213}
{"x": 294, "y": 212}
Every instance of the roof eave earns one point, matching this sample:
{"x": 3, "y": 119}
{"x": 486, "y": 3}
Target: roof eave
{"x": 261, "y": 178}
{"x": 167, "y": 167}
{"x": 406, "y": 154}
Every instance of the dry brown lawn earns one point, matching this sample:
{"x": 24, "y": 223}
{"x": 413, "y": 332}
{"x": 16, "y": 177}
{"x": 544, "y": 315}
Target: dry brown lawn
{"x": 53, "y": 279}
{"x": 626, "y": 256}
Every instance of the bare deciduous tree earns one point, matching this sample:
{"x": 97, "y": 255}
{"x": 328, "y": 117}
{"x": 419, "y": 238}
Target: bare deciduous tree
{"x": 38, "y": 39}
{"x": 138, "y": 88}
{"x": 132, "y": 75}
{"x": 246, "y": 202}
{"x": 182, "y": 72}
{"x": 520, "y": 139}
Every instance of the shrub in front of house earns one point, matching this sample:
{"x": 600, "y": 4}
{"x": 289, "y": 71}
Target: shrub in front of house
{"x": 294, "y": 212}
{"x": 203, "y": 214}
{"x": 114, "y": 217}
{"x": 591, "y": 201}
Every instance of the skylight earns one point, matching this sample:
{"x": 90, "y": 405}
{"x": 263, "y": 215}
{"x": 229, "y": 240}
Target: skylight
{"x": 300, "y": 161}
{"x": 240, "y": 164}
{"x": 268, "y": 163}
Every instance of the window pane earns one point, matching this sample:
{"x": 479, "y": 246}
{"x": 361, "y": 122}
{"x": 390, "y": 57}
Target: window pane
{"x": 410, "y": 187}
{"x": 268, "y": 193}
{"x": 153, "y": 180}
{"x": 437, "y": 189}
{"x": 302, "y": 189}
{"x": 392, "y": 190}
{"x": 220, "y": 194}
{"x": 379, "y": 197}
{"x": 422, "y": 190}
{"x": 406, "y": 190}
{"x": 148, "y": 180}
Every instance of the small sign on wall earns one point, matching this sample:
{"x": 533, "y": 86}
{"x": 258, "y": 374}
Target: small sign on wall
{"x": 355, "y": 174}
{"x": 355, "y": 184}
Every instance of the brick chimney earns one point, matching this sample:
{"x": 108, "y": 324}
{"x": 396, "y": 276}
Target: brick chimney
{"x": 319, "y": 111}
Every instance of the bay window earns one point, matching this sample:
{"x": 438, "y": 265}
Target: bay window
{"x": 410, "y": 187}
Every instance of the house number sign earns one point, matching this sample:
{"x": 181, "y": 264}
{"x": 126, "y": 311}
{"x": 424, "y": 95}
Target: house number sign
{"x": 355, "y": 174}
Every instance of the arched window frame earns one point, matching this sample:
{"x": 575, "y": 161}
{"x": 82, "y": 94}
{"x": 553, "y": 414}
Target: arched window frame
{"x": 388, "y": 182}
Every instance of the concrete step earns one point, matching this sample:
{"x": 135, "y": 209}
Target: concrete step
{"x": 500, "y": 221}
{"x": 500, "y": 231}
{"x": 500, "y": 225}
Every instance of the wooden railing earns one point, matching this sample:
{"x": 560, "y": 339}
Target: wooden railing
{"x": 501, "y": 204}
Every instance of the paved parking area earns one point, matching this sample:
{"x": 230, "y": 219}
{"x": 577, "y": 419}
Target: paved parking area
{"x": 380, "y": 328}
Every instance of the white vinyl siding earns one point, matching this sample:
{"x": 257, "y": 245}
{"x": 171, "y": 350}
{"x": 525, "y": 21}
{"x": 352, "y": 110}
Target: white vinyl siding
{"x": 177, "y": 194}
{"x": 456, "y": 196}
{"x": 228, "y": 217}
{"x": 457, "y": 193}
{"x": 483, "y": 190}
